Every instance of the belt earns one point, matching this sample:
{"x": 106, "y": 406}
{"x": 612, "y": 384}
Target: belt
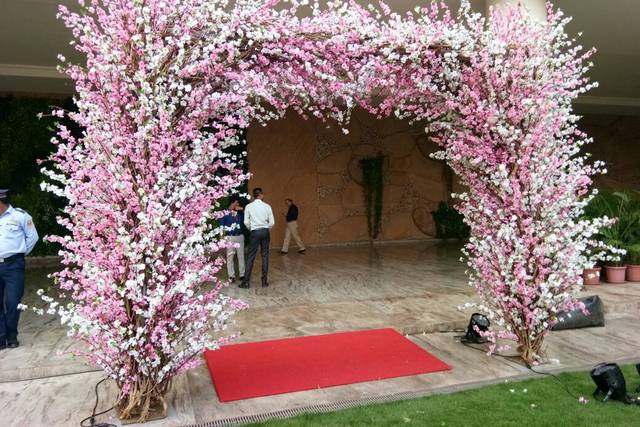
{"x": 11, "y": 258}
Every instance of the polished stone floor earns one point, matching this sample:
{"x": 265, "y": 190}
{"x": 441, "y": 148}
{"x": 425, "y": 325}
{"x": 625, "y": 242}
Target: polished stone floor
{"x": 413, "y": 287}
{"x": 410, "y": 286}
{"x": 357, "y": 273}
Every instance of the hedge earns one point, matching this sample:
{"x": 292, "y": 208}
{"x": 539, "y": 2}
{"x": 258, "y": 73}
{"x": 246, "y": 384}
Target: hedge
{"x": 23, "y": 139}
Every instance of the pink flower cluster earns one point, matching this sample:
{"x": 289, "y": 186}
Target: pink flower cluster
{"x": 166, "y": 85}
{"x": 515, "y": 145}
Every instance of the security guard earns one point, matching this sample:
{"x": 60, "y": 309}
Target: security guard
{"x": 18, "y": 236}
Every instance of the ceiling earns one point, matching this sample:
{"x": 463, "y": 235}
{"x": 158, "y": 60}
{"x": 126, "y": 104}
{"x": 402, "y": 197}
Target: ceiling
{"x": 31, "y": 38}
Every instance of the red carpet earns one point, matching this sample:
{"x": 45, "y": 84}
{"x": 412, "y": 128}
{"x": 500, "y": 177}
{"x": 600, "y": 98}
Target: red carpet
{"x": 242, "y": 371}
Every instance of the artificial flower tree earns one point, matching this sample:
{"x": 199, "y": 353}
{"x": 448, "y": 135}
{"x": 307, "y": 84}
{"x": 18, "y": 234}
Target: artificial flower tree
{"x": 166, "y": 85}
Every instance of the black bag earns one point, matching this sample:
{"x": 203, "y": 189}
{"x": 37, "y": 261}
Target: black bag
{"x": 576, "y": 319}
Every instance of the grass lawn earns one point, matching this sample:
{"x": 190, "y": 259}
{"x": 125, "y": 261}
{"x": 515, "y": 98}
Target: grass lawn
{"x": 535, "y": 402}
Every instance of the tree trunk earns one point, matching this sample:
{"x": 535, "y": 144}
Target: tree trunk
{"x": 144, "y": 402}
{"x": 529, "y": 350}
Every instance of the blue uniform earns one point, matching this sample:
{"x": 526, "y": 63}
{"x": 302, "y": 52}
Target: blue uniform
{"x": 18, "y": 236}
{"x": 233, "y": 223}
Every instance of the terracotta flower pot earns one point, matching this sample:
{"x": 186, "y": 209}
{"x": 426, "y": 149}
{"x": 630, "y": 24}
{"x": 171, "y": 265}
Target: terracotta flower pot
{"x": 633, "y": 273}
{"x": 591, "y": 276}
{"x": 615, "y": 274}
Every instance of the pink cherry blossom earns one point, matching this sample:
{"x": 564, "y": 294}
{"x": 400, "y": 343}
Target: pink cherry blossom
{"x": 166, "y": 86}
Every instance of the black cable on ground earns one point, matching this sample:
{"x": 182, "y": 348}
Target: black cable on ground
{"x": 511, "y": 358}
{"x": 557, "y": 379}
{"x": 92, "y": 417}
{"x": 45, "y": 377}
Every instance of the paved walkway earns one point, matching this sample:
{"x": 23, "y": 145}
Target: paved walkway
{"x": 415, "y": 288}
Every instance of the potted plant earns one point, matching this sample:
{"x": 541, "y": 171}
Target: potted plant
{"x": 595, "y": 250}
{"x": 624, "y": 206}
{"x": 591, "y": 276}
{"x": 610, "y": 253}
{"x": 614, "y": 269}
{"x": 633, "y": 263}
{"x": 449, "y": 222}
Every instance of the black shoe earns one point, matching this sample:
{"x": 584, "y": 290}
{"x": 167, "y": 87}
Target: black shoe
{"x": 3, "y": 344}
{"x": 283, "y": 253}
{"x": 302, "y": 251}
{"x": 13, "y": 343}
{"x": 242, "y": 278}
{"x": 265, "y": 284}
{"x": 232, "y": 279}
{"x": 243, "y": 285}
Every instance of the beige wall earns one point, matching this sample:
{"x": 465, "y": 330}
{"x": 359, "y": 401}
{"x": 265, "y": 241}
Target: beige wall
{"x": 318, "y": 168}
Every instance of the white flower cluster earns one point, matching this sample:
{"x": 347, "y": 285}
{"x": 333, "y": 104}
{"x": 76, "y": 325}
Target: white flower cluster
{"x": 167, "y": 86}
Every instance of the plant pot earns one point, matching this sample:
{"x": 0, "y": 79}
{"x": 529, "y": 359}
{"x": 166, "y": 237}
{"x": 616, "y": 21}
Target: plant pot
{"x": 633, "y": 273}
{"x": 591, "y": 276}
{"x": 615, "y": 274}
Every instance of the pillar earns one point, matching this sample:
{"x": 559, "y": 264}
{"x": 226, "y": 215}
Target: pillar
{"x": 538, "y": 8}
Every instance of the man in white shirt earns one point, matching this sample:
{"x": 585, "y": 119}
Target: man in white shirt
{"x": 258, "y": 218}
{"x": 18, "y": 236}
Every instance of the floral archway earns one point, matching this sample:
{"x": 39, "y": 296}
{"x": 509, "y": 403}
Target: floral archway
{"x": 165, "y": 87}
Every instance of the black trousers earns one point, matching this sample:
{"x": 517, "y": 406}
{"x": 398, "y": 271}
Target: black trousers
{"x": 259, "y": 237}
{"x": 11, "y": 282}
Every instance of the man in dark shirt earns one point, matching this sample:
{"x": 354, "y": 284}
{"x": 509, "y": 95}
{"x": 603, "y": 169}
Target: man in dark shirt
{"x": 232, "y": 222}
{"x": 292, "y": 229}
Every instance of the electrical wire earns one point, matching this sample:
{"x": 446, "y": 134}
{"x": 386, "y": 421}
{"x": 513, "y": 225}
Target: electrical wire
{"x": 91, "y": 418}
{"x": 45, "y": 377}
{"x": 512, "y": 358}
{"x": 557, "y": 379}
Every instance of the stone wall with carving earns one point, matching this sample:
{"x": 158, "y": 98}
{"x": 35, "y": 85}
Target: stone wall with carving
{"x": 318, "y": 167}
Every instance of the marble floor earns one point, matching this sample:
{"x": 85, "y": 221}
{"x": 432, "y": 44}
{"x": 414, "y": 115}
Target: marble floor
{"x": 413, "y": 287}
{"x": 339, "y": 274}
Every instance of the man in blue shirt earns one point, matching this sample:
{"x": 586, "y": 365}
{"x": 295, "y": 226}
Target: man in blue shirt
{"x": 18, "y": 236}
{"x": 233, "y": 227}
